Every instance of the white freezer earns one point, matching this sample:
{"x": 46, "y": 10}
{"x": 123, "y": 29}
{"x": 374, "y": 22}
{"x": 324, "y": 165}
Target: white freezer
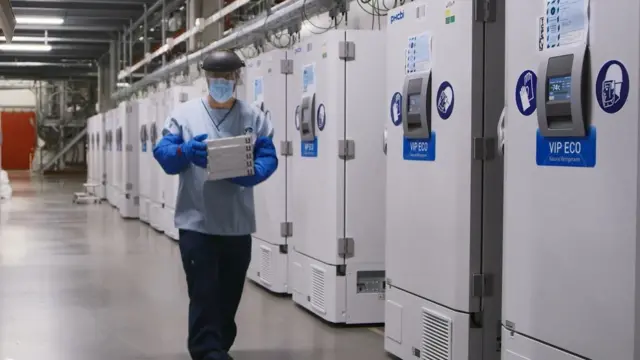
{"x": 145, "y": 118}
{"x": 92, "y": 168}
{"x": 157, "y": 214}
{"x": 444, "y": 195}
{"x": 118, "y": 155}
{"x": 110, "y": 126}
{"x": 100, "y": 171}
{"x": 267, "y": 89}
{"x": 129, "y": 145}
{"x": 338, "y": 201}
{"x": 571, "y": 134}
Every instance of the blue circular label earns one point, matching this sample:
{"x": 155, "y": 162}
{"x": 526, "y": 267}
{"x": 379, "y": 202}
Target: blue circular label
{"x": 395, "y": 109}
{"x": 297, "y": 117}
{"x": 321, "y": 117}
{"x": 612, "y": 86}
{"x": 446, "y": 100}
{"x": 526, "y": 90}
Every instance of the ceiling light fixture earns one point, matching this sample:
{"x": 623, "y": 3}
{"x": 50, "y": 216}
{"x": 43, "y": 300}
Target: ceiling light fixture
{"x": 25, "y": 47}
{"x": 25, "y": 39}
{"x": 39, "y": 20}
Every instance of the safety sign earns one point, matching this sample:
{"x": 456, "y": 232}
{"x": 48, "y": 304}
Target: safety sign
{"x": 321, "y": 117}
{"x": 297, "y": 117}
{"x": 526, "y": 93}
{"x": 567, "y": 22}
{"x": 395, "y": 109}
{"x": 419, "y": 149}
{"x": 309, "y": 148}
{"x": 612, "y": 86}
{"x": 446, "y": 100}
{"x": 567, "y": 151}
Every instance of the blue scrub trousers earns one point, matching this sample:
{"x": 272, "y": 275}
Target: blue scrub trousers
{"x": 215, "y": 268}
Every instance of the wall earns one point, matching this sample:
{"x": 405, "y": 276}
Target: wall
{"x": 19, "y": 139}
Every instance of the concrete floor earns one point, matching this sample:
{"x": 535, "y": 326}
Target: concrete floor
{"x": 79, "y": 283}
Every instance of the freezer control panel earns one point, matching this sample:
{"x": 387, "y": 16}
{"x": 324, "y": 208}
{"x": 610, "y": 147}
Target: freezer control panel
{"x": 417, "y": 105}
{"x": 564, "y": 94}
{"x": 308, "y": 118}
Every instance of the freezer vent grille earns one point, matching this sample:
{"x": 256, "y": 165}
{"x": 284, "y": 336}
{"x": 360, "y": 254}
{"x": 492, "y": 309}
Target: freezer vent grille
{"x": 318, "y": 276}
{"x": 436, "y": 336}
{"x": 265, "y": 265}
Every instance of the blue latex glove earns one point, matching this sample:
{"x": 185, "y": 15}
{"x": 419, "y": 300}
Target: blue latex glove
{"x": 195, "y": 150}
{"x": 265, "y": 163}
{"x": 174, "y": 155}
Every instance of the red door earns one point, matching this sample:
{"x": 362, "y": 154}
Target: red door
{"x": 18, "y": 139}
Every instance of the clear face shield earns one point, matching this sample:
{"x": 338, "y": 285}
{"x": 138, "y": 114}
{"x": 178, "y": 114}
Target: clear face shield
{"x": 222, "y": 85}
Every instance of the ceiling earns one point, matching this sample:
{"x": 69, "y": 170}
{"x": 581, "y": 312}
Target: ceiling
{"x": 89, "y": 26}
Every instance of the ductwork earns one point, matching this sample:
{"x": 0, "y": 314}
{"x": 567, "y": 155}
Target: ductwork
{"x": 7, "y": 19}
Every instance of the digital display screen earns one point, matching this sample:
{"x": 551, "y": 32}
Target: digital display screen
{"x": 414, "y": 103}
{"x": 560, "y": 88}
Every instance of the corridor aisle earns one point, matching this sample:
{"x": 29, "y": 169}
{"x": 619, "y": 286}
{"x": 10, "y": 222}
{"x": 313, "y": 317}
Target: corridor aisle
{"x": 79, "y": 283}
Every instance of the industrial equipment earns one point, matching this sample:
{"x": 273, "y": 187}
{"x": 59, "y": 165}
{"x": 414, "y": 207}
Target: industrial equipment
{"x": 157, "y": 215}
{"x": 571, "y": 180}
{"x": 444, "y": 181}
{"x": 110, "y": 122}
{"x": 119, "y": 119}
{"x": 100, "y": 170}
{"x": 339, "y": 165}
{"x": 267, "y": 77}
{"x": 145, "y": 119}
{"x": 129, "y": 145}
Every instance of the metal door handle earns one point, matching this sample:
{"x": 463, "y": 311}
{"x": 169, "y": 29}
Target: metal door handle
{"x": 385, "y": 136}
{"x": 501, "y": 132}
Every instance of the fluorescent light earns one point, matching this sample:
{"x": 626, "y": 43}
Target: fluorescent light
{"x": 25, "y": 47}
{"x": 120, "y": 85}
{"x": 25, "y": 39}
{"x": 39, "y": 20}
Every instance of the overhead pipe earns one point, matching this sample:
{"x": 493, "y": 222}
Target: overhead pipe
{"x": 170, "y": 43}
{"x": 147, "y": 11}
{"x": 257, "y": 26}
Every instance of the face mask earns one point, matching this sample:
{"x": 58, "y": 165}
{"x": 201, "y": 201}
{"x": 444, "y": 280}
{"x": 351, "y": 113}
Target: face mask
{"x": 221, "y": 90}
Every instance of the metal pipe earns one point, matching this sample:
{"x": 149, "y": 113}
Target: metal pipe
{"x": 130, "y": 49}
{"x": 113, "y": 69}
{"x": 125, "y": 58}
{"x": 119, "y": 52}
{"x": 293, "y": 11}
{"x": 156, "y": 5}
{"x": 146, "y": 37}
{"x": 164, "y": 29}
{"x": 215, "y": 18}
{"x": 83, "y": 28}
{"x": 100, "y": 86}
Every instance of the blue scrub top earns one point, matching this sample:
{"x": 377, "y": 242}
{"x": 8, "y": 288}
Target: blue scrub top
{"x": 215, "y": 207}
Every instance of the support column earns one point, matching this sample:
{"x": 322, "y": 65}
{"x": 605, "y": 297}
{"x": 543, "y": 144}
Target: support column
{"x": 194, "y": 11}
{"x": 112, "y": 72}
{"x": 212, "y": 32}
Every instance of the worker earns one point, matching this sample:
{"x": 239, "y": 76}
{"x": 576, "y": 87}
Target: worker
{"x": 215, "y": 218}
